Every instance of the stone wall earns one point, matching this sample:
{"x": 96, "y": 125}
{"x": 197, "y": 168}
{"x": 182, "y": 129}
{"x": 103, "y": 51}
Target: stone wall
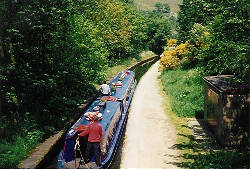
{"x": 228, "y": 116}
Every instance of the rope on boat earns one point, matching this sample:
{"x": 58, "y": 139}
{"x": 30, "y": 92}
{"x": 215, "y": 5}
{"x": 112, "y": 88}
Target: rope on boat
{"x": 77, "y": 147}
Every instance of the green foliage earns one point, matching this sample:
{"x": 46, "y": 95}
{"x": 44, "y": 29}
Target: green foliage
{"x": 162, "y": 8}
{"x": 121, "y": 27}
{"x": 219, "y": 160}
{"x": 229, "y": 49}
{"x": 128, "y": 1}
{"x": 52, "y": 53}
{"x": 185, "y": 89}
{"x": 44, "y": 66}
{"x": 225, "y": 49}
{"x": 158, "y": 27}
{"x": 11, "y": 153}
{"x": 194, "y": 11}
{"x": 158, "y": 32}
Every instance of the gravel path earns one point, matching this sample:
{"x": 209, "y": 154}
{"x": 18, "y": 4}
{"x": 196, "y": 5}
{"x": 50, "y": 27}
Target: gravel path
{"x": 149, "y": 135}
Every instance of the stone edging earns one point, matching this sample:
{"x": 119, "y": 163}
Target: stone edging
{"x": 142, "y": 62}
{"x": 41, "y": 152}
{"x": 45, "y": 150}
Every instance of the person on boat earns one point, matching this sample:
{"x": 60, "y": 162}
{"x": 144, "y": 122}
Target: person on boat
{"x": 94, "y": 138}
{"x": 105, "y": 89}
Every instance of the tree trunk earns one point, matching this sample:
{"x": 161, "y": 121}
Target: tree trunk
{"x": 1, "y": 61}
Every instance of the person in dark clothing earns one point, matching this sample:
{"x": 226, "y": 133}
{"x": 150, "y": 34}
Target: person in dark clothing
{"x": 95, "y": 134}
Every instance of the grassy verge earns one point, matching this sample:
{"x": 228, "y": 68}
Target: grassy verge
{"x": 12, "y": 152}
{"x": 184, "y": 98}
{"x": 185, "y": 90}
{"x": 178, "y": 122}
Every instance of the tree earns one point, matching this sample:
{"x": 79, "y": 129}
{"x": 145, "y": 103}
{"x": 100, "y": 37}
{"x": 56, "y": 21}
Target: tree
{"x": 49, "y": 49}
{"x": 159, "y": 31}
{"x": 162, "y": 8}
{"x": 226, "y": 46}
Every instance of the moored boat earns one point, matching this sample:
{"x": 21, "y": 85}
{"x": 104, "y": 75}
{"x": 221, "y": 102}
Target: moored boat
{"x": 112, "y": 112}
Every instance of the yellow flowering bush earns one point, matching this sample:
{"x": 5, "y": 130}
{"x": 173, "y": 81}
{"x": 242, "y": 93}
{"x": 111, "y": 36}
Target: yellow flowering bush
{"x": 169, "y": 60}
{"x": 182, "y": 49}
{"x": 206, "y": 34}
{"x": 171, "y": 42}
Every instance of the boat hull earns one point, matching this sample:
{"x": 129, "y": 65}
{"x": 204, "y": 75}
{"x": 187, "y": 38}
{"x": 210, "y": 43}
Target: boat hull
{"x": 110, "y": 142}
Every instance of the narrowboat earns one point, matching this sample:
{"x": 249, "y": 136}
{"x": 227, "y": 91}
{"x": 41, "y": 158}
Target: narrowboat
{"x": 112, "y": 112}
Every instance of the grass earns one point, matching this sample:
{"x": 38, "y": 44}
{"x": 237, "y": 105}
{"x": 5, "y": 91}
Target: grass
{"x": 194, "y": 154}
{"x": 149, "y": 4}
{"x": 12, "y": 152}
{"x": 185, "y": 90}
{"x": 176, "y": 121}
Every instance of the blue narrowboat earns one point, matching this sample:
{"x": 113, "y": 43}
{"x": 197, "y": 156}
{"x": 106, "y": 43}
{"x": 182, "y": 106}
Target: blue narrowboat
{"x": 113, "y": 112}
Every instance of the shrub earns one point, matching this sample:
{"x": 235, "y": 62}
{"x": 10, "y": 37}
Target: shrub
{"x": 198, "y": 40}
{"x": 171, "y": 42}
{"x": 181, "y": 50}
{"x": 219, "y": 37}
{"x": 169, "y": 60}
{"x": 158, "y": 31}
{"x": 198, "y": 35}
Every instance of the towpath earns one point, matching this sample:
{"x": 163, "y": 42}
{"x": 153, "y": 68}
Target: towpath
{"x": 149, "y": 135}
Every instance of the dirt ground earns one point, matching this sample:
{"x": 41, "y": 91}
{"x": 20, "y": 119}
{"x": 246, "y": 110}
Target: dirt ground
{"x": 149, "y": 135}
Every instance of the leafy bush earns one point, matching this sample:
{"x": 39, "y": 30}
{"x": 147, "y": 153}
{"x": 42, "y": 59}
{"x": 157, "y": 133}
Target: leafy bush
{"x": 12, "y": 152}
{"x": 227, "y": 52}
{"x": 162, "y": 8}
{"x": 172, "y": 56}
{"x": 182, "y": 49}
{"x": 171, "y": 42}
{"x": 198, "y": 35}
{"x": 198, "y": 41}
{"x": 218, "y": 35}
{"x": 169, "y": 60}
{"x": 158, "y": 31}
{"x": 194, "y": 11}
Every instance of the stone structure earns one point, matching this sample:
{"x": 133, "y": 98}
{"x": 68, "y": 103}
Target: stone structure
{"x": 227, "y": 110}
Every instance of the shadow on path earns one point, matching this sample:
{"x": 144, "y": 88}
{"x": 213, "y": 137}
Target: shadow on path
{"x": 206, "y": 152}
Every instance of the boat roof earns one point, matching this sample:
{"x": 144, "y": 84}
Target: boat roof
{"x": 107, "y": 115}
{"x": 121, "y": 91}
{"x": 111, "y": 106}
